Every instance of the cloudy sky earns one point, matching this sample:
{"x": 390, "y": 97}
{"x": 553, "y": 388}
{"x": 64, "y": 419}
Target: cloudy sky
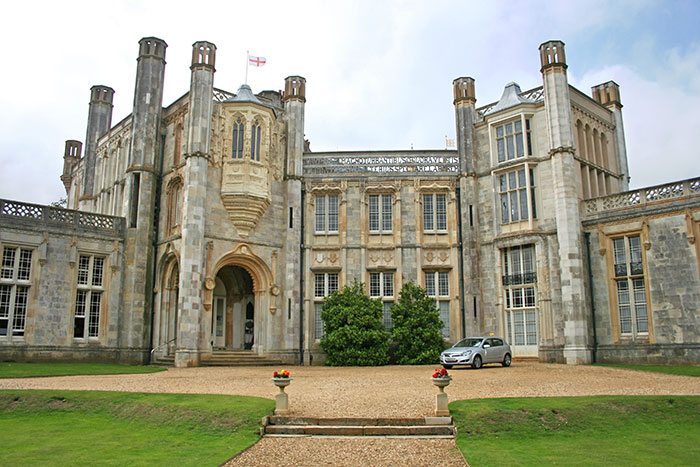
{"x": 379, "y": 73}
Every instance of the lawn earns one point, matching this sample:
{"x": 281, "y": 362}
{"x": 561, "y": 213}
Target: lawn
{"x": 65, "y": 428}
{"x": 684, "y": 370}
{"x": 31, "y": 370}
{"x": 601, "y": 430}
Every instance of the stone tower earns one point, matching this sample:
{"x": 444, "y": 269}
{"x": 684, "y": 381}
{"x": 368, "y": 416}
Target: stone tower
{"x": 99, "y": 122}
{"x": 465, "y": 115}
{"x": 608, "y": 94}
{"x": 192, "y": 315}
{"x": 71, "y": 156}
{"x": 294, "y": 101}
{"x": 140, "y": 193}
{"x": 566, "y": 182}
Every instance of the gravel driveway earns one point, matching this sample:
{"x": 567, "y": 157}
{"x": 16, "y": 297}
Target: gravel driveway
{"x": 392, "y": 391}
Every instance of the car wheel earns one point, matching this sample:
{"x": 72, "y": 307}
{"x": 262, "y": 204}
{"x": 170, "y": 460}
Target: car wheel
{"x": 447, "y": 367}
{"x": 476, "y": 363}
{"x": 506, "y": 360}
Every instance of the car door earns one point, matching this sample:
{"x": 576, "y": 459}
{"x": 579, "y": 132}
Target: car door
{"x": 488, "y": 350}
{"x": 498, "y": 349}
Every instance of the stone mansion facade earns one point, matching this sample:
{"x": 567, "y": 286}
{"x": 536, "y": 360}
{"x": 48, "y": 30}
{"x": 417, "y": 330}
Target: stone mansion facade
{"x": 209, "y": 224}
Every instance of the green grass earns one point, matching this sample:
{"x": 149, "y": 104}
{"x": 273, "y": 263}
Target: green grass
{"x": 684, "y": 370}
{"x": 64, "y": 428}
{"x": 571, "y": 431}
{"x": 31, "y": 370}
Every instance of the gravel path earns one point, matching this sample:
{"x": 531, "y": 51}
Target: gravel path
{"x": 391, "y": 391}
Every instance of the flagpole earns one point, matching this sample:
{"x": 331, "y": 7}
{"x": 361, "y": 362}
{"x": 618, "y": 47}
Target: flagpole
{"x": 247, "y": 62}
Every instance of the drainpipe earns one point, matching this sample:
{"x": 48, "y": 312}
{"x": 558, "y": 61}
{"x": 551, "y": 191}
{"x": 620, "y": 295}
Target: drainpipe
{"x": 590, "y": 280}
{"x": 461, "y": 264}
{"x": 301, "y": 283}
{"x": 156, "y": 216}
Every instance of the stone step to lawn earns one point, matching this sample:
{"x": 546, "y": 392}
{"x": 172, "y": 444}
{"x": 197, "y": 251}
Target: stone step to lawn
{"x": 427, "y": 427}
{"x": 225, "y": 358}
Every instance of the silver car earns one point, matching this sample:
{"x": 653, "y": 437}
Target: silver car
{"x": 477, "y": 351}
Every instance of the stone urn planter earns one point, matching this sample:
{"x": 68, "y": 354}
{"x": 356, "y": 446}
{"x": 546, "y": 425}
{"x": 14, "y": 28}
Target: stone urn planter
{"x": 281, "y": 399}
{"x": 441, "y": 409}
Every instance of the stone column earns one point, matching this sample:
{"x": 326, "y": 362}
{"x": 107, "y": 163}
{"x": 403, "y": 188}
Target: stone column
{"x": 294, "y": 101}
{"x": 140, "y": 193}
{"x": 99, "y": 122}
{"x": 566, "y": 179}
{"x": 190, "y": 332}
{"x": 465, "y": 115}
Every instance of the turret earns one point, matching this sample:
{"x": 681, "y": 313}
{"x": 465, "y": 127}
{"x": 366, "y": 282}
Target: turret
{"x": 99, "y": 122}
{"x": 148, "y": 100}
{"x": 565, "y": 191}
{"x": 140, "y": 191}
{"x": 194, "y": 314}
{"x": 464, "y": 102}
{"x": 608, "y": 94}
{"x": 294, "y": 99}
{"x": 71, "y": 156}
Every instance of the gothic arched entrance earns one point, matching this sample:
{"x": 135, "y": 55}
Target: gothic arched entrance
{"x": 233, "y": 305}
{"x": 245, "y": 280}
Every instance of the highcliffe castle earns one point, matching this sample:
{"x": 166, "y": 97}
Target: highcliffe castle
{"x": 207, "y": 231}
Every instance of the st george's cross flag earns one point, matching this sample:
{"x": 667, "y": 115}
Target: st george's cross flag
{"x": 256, "y": 61}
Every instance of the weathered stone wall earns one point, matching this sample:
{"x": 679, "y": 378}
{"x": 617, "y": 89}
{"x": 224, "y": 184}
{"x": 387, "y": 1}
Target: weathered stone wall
{"x": 672, "y": 280}
{"x": 57, "y": 238}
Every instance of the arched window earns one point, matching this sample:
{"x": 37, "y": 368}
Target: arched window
{"x": 174, "y": 205}
{"x": 255, "y": 141}
{"x": 238, "y": 135}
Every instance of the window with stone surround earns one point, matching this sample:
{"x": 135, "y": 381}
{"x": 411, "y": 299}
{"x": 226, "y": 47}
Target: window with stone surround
{"x": 238, "y": 136}
{"x": 174, "y": 205}
{"x": 380, "y": 214}
{"x": 88, "y": 297}
{"x": 511, "y": 141}
{"x": 324, "y": 284}
{"x": 435, "y": 212}
{"x": 381, "y": 285}
{"x": 630, "y": 286}
{"x": 517, "y": 202}
{"x": 437, "y": 286}
{"x": 255, "y": 141}
{"x": 15, "y": 274}
{"x": 326, "y": 218}
{"x": 519, "y": 294}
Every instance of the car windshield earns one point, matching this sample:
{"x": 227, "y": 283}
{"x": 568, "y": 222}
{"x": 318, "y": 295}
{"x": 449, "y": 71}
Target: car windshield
{"x": 468, "y": 342}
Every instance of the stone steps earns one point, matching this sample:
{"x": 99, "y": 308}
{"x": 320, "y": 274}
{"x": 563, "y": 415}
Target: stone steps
{"x": 225, "y": 358}
{"x": 427, "y": 427}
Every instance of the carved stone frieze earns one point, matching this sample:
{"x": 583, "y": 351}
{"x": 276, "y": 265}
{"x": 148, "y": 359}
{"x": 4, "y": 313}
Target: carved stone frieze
{"x": 381, "y": 258}
{"x": 325, "y": 259}
{"x": 437, "y": 257}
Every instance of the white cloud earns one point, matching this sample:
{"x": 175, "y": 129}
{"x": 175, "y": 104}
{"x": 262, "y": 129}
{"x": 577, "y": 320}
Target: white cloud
{"x": 379, "y": 74}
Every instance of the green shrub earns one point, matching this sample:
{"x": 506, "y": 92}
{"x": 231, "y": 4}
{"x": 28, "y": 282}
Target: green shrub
{"x": 416, "y": 332}
{"x": 354, "y": 333}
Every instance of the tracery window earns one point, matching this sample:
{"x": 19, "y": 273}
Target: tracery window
{"x": 519, "y": 289}
{"x": 510, "y": 142}
{"x": 380, "y": 213}
{"x": 434, "y": 212}
{"x": 513, "y": 195}
{"x": 381, "y": 285}
{"x": 630, "y": 284}
{"x": 237, "y": 139}
{"x": 255, "y": 141}
{"x": 15, "y": 273}
{"x": 88, "y": 297}
{"x": 324, "y": 285}
{"x": 326, "y": 214}
{"x": 437, "y": 285}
